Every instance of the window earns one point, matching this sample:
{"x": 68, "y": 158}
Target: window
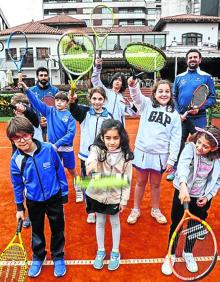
{"x": 42, "y": 53}
{"x": 123, "y": 22}
{"x": 29, "y": 58}
{"x": 13, "y": 52}
{"x": 138, "y": 22}
{"x": 160, "y": 41}
{"x": 191, "y": 38}
{"x": 149, "y": 39}
{"x": 124, "y": 40}
{"x": 151, "y": 22}
{"x": 106, "y": 23}
{"x": 151, "y": 11}
{"x": 112, "y": 42}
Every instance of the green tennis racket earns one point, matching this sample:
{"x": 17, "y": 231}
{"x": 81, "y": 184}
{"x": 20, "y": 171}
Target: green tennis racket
{"x": 99, "y": 181}
{"x": 102, "y": 22}
{"x": 76, "y": 54}
{"x": 144, "y": 58}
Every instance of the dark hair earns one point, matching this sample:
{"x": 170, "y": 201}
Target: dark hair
{"x": 99, "y": 90}
{"x": 155, "y": 103}
{"x": 61, "y": 95}
{"x": 194, "y": 50}
{"x": 107, "y": 125}
{"x": 20, "y": 98}
{"x": 123, "y": 79}
{"x": 41, "y": 69}
{"x": 19, "y": 124}
{"x": 215, "y": 131}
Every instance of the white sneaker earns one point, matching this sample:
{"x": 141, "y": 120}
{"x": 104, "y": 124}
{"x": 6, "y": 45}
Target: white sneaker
{"x": 79, "y": 195}
{"x": 91, "y": 218}
{"x": 157, "y": 214}
{"x": 166, "y": 269}
{"x": 133, "y": 216}
{"x": 191, "y": 264}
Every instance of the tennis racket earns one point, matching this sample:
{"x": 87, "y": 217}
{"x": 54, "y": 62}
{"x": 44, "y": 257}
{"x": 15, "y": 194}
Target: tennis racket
{"x": 49, "y": 100}
{"x": 144, "y": 58}
{"x": 4, "y": 104}
{"x": 99, "y": 181}
{"x": 200, "y": 95}
{"x": 18, "y": 61}
{"x": 101, "y": 29}
{"x": 76, "y": 54}
{"x": 13, "y": 260}
{"x": 185, "y": 239}
{"x": 1, "y": 46}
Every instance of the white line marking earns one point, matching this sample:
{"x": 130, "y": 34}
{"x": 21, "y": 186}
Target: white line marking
{"x": 122, "y": 261}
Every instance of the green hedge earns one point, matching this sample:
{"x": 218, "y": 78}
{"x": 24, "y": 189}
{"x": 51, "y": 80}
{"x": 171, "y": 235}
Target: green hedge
{"x": 7, "y": 111}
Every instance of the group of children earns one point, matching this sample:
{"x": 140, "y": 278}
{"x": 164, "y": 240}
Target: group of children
{"x": 37, "y": 168}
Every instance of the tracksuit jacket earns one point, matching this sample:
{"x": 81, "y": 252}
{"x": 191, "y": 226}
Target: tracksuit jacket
{"x": 90, "y": 125}
{"x": 184, "y": 86}
{"x": 187, "y": 168}
{"x": 113, "y": 103}
{"x": 39, "y": 177}
{"x": 47, "y": 90}
{"x": 61, "y": 125}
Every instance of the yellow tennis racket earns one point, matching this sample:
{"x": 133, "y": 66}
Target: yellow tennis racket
{"x": 13, "y": 260}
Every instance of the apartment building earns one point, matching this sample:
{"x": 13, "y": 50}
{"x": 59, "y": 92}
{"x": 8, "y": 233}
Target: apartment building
{"x": 129, "y": 12}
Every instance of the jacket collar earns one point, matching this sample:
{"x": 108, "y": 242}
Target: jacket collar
{"x": 94, "y": 113}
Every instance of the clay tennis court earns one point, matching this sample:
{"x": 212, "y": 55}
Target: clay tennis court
{"x": 142, "y": 247}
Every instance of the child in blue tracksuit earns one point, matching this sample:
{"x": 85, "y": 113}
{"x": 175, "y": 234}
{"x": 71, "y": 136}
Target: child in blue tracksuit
{"x": 61, "y": 126}
{"x": 37, "y": 171}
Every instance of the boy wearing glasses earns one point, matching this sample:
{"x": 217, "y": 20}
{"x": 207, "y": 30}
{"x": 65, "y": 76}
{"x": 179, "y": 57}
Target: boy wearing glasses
{"x": 37, "y": 172}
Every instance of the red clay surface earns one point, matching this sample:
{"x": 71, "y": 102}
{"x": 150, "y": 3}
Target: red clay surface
{"x": 144, "y": 240}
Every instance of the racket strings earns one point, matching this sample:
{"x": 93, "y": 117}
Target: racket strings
{"x": 145, "y": 58}
{"x": 195, "y": 240}
{"x": 49, "y": 100}
{"x": 13, "y": 264}
{"x": 76, "y": 53}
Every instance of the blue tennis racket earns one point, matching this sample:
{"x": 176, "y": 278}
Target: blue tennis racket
{"x": 11, "y": 45}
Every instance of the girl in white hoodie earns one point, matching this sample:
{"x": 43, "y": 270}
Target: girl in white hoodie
{"x": 157, "y": 143}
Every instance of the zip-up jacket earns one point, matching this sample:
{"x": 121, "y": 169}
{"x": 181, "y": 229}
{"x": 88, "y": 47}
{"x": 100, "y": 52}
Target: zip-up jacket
{"x": 184, "y": 86}
{"x": 113, "y": 103}
{"x": 113, "y": 195}
{"x": 90, "y": 125}
{"x": 38, "y": 177}
{"x": 47, "y": 90}
{"x": 61, "y": 127}
{"x": 187, "y": 168}
{"x": 159, "y": 130}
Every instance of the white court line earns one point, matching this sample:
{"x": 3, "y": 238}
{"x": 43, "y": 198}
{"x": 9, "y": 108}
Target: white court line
{"x": 122, "y": 261}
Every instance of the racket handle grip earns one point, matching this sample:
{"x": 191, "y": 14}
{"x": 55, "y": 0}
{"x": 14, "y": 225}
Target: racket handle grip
{"x": 19, "y": 77}
{"x": 100, "y": 54}
{"x": 186, "y": 205}
{"x": 19, "y": 227}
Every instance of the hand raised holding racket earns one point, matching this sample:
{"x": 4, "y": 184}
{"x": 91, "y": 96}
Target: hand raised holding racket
{"x": 199, "y": 97}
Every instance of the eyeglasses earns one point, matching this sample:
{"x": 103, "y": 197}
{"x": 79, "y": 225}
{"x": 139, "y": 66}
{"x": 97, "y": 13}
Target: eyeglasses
{"x": 25, "y": 137}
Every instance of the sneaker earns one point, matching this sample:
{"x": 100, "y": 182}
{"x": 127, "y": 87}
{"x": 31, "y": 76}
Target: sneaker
{"x": 99, "y": 260}
{"x": 91, "y": 218}
{"x": 79, "y": 195}
{"x": 133, "y": 216}
{"x": 171, "y": 176}
{"x": 59, "y": 268}
{"x": 160, "y": 218}
{"x": 114, "y": 261}
{"x": 166, "y": 268}
{"x": 27, "y": 222}
{"x": 35, "y": 268}
{"x": 191, "y": 264}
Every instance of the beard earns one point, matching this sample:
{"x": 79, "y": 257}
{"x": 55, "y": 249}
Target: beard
{"x": 193, "y": 65}
{"x": 43, "y": 82}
